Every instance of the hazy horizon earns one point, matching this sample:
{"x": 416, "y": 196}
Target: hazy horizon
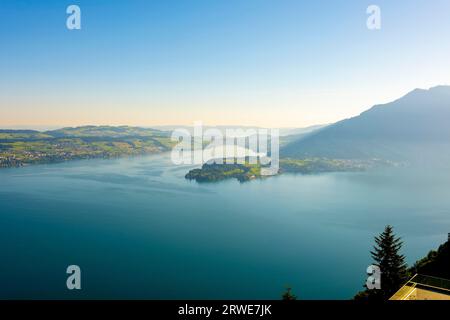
{"x": 158, "y": 127}
{"x": 44, "y": 127}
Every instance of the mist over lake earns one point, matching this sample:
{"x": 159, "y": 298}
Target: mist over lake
{"x": 139, "y": 229}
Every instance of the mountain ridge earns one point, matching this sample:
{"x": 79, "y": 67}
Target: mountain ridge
{"x": 389, "y": 131}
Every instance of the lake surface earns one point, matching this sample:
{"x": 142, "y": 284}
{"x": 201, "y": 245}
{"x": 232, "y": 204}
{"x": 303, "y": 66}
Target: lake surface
{"x": 138, "y": 229}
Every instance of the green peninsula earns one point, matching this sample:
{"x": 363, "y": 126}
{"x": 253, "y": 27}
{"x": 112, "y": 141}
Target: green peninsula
{"x": 212, "y": 172}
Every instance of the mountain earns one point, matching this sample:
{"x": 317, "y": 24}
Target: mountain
{"x": 292, "y": 132}
{"x": 408, "y": 128}
{"x": 288, "y": 135}
{"x": 284, "y": 132}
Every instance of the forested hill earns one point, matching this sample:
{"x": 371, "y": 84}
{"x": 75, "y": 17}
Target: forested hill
{"x": 23, "y": 147}
{"x": 436, "y": 263}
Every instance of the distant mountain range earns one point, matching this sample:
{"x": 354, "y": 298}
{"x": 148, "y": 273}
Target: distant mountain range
{"x": 284, "y": 132}
{"x": 412, "y": 127}
{"x": 83, "y": 131}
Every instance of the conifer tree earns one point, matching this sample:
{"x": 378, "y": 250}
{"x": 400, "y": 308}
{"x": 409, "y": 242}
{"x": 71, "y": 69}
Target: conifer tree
{"x": 386, "y": 255}
{"x": 288, "y": 295}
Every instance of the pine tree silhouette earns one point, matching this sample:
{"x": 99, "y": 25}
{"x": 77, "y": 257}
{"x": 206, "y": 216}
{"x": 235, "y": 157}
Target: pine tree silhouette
{"x": 288, "y": 295}
{"x": 386, "y": 255}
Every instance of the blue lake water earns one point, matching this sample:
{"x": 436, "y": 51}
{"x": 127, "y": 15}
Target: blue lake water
{"x": 138, "y": 229}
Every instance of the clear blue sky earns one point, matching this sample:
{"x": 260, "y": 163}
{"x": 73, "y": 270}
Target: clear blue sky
{"x": 275, "y": 63}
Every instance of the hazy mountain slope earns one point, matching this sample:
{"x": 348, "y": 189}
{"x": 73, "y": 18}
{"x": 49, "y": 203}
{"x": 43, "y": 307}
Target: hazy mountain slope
{"x": 394, "y": 131}
{"x": 291, "y": 132}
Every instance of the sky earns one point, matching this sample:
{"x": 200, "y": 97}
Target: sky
{"x": 268, "y": 63}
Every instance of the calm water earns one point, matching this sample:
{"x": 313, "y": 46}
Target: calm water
{"x": 138, "y": 229}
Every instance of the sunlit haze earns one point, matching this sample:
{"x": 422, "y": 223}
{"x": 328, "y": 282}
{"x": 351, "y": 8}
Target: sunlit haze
{"x": 232, "y": 62}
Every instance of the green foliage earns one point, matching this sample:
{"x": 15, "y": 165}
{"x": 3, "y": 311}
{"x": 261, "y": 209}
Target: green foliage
{"x": 392, "y": 264}
{"x": 215, "y": 172}
{"x": 212, "y": 172}
{"x": 318, "y": 165}
{"x": 288, "y": 295}
{"x": 386, "y": 255}
{"x": 436, "y": 263}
